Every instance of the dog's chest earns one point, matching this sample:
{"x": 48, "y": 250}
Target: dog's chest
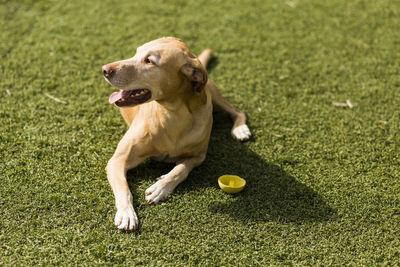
{"x": 181, "y": 138}
{"x": 172, "y": 135}
{"x": 173, "y": 144}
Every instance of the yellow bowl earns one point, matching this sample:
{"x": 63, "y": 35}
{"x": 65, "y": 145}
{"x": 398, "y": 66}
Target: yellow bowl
{"x": 231, "y": 184}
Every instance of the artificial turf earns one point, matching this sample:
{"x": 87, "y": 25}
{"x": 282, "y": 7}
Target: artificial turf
{"x": 323, "y": 182}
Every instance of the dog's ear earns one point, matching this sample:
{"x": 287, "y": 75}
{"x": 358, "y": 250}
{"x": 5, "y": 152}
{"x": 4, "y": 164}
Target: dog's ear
{"x": 196, "y": 73}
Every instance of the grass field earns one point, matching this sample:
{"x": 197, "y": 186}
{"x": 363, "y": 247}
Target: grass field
{"x": 323, "y": 183}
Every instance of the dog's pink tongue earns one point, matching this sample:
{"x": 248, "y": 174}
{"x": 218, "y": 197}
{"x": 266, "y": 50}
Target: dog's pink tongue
{"x": 114, "y": 97}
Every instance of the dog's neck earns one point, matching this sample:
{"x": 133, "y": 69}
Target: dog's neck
{"x": 186, "y": 98}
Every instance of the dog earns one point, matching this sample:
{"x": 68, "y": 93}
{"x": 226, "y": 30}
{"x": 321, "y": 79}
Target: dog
{"x": 167, "y": 101}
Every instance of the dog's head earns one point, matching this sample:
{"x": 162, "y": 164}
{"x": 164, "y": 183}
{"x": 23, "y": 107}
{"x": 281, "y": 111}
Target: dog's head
{"x": 160, "y": 70}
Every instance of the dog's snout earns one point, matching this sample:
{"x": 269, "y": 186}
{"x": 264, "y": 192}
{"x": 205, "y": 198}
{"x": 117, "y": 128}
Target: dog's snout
{"x": 108, "y": 71}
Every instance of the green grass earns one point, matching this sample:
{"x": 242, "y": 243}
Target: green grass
{"x": 323, "y": 182}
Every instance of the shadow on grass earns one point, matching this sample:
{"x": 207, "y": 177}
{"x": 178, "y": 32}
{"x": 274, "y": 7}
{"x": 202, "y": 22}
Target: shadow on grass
{"x": 212, "y": 64}
{"x": 270, "y": 194}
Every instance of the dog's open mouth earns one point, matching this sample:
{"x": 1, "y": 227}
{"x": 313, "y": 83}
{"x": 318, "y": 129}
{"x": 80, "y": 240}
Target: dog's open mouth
{"x": 129, "y": 97}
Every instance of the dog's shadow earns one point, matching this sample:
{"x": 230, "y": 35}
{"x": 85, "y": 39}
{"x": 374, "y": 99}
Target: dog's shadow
{"x": 270, "y": 192}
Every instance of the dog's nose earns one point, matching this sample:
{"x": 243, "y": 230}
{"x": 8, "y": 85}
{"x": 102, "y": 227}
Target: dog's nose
{"x": 107, "y": 71}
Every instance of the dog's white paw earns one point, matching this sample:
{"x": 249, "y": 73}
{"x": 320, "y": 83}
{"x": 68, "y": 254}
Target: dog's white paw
{"x": 126, "y": 219}
{"x": 158, "y": 192}
{"x": 241, "y": 132}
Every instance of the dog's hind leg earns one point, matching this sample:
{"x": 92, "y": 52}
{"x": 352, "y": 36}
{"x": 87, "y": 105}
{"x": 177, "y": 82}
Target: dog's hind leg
{"x": 240, "y": 130}
{"x": 164, "y": 186}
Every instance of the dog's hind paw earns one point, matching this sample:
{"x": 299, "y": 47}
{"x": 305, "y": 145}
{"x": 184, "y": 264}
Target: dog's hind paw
{"x": 126, "y": 219}
{"x": 241, "y": 132}
{"x": 157, "y": 192}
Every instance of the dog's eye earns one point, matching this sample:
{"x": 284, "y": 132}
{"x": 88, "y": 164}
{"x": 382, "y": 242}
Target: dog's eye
{"x": 147, "y": 61}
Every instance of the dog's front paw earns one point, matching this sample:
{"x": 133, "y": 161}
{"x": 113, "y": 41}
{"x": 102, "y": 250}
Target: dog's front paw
{"x": 158, "y": 192}
{"x": 126, "y": 219}
{"x": 241, "y": 132}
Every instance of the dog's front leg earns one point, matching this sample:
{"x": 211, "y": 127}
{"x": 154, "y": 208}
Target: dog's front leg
{"x": 163, "y": 187}
{"x": 125, "y": 218}
{"x": 122, "y": 160}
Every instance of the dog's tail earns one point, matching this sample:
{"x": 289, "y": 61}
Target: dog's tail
{"x": 204, "y": 57}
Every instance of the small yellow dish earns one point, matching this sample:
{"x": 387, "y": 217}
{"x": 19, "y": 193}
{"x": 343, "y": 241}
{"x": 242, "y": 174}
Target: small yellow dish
{"x": 231, "y": 184}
